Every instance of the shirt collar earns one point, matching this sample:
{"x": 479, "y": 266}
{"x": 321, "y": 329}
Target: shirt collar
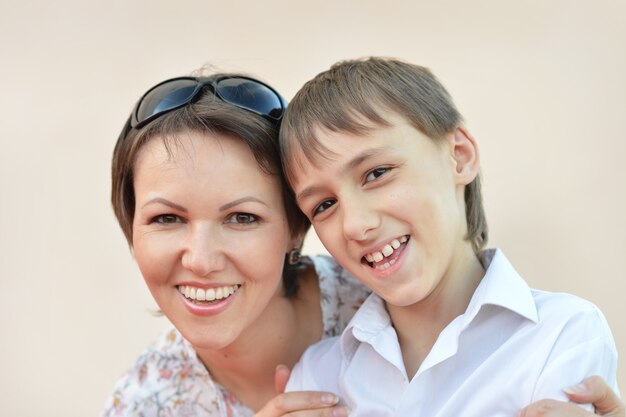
{"x": 501, "y": 286}
{"x": 369, "y": 320}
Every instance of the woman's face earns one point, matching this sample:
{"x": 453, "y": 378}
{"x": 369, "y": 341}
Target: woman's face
{"x": 209, "y": 235}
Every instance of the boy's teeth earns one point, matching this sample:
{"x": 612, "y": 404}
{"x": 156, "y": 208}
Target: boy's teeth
{"x": 385, "y": 252}
{"x": 210, "y": 294}
{"x": 385, "y": 265}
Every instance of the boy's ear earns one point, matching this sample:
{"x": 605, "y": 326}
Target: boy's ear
{"x": 465, "y": 155}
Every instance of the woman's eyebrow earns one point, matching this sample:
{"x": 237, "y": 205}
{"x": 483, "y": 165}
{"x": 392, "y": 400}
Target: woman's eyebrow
{"x": 161, "y": 200}
{"x": 239, "y": 201}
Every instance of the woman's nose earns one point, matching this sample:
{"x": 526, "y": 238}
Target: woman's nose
{"x": 204, "y": 252}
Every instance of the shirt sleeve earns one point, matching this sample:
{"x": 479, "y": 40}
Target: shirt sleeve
{"x": 296, "y": 379}
{"x": 318, "y": 369}
{"x": 585, "y": 347}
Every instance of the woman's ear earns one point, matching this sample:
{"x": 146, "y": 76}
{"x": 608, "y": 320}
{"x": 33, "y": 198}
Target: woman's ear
{"x": 296, "y": 242}
{"x": 465, "y": 155}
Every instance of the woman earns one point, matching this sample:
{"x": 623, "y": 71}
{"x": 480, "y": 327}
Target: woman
{"x": 198, "y": 192}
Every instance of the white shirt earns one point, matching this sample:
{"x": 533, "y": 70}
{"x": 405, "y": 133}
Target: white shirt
{"x": 512, "y": 346}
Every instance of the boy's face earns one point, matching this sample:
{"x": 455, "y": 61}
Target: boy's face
{"x": 389, "y": 207}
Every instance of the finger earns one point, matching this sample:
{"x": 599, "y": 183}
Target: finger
{"x": 336, "y": 411}
{"x": 281, "y": 376}
{"x": 298, "y": 401}
{"x": 552, "y": 408}
{"x": 595, "y": 390}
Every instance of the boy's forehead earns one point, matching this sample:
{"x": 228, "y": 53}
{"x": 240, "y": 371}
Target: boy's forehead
{"x": 325, "y": 146}
{"x": 315, "y": 135}
{"x": 313, "y": 148}
{"x": 318, "y": 150}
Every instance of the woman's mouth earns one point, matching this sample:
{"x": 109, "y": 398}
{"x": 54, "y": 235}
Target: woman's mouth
{"x": 387, "y": 256}
{"x": 207, "y": 296}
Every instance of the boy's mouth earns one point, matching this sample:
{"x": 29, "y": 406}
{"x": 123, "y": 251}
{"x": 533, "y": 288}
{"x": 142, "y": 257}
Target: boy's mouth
{"x": 387, "y": 256}
{"x": 209, "y": 295}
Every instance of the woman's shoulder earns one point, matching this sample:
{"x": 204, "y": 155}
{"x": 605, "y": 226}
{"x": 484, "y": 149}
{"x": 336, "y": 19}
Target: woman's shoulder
{"x": 167, "y": 379}
{"x": 333, "y": 275}
{"x": 340, "y": 294}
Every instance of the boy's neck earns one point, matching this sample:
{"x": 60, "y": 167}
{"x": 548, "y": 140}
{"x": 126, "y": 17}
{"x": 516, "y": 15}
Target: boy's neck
{"x": 418, "y": 326}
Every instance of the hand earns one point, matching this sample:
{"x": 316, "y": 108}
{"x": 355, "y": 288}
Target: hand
{"x": 300, "y": 403}
{"x": 592, "y": 390}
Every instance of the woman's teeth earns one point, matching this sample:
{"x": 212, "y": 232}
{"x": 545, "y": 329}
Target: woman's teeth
{"x": 210, "y": 294}
{"x": 386, "y": 252}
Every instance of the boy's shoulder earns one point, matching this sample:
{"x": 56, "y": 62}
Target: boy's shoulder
{"x": 559, "y": 321}
{"x": 544, "y": 307}
{"x": 563, "y": 309}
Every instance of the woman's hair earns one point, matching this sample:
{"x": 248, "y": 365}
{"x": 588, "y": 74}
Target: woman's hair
{"x": 352, "y": 95}
{"x": 207, "y": 114}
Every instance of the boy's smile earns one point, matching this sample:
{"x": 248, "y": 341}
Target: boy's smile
{"x": 389, "y": 206}
{"x": 384, "y": 258}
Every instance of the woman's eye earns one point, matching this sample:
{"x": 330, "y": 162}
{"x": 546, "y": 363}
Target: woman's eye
{"x": 242, "y": 218}
{"x": 166, "y": 219}
{"x": 376, "y": 173}
{"x": 323, "y": 207}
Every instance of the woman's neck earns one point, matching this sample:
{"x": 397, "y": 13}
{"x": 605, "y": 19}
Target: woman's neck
{"x": 286, "y": 328}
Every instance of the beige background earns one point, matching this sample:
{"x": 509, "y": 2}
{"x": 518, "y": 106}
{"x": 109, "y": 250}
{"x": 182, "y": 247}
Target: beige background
{"x": 542, "y": 85}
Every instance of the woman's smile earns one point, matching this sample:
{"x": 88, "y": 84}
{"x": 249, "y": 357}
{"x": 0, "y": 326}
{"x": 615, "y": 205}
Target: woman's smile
{"x": 210, "y": 236}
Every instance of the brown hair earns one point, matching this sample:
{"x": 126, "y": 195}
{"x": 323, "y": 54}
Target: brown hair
{"x": 354, "y": 92}
{"x": 207, "y": 114}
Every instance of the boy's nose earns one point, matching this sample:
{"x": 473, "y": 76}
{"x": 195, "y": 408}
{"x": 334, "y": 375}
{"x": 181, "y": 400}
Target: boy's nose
{"x": 359, "y": 220}
{"x": 203, "y": 253}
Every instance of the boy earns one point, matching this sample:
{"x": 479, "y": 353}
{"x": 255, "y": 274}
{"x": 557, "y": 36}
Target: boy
{"x": 380, "y": 162}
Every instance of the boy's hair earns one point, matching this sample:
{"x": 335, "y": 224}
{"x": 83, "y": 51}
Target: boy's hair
{"x": 208, "y": 114}
{"x": 354, "y": 94}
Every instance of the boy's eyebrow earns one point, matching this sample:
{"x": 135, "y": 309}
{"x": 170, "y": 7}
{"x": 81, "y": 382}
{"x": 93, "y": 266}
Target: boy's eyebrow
{"x": 166, "y": 202}
{"x": 362, "y": 157}
{"x": 357, "y": 160}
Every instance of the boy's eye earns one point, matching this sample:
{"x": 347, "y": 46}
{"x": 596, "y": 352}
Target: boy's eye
{"x": 242, "y": 218}
{"x": 166, "y": 219}
{"x": 376, "y": 173}
{"x": 325, "y": 205}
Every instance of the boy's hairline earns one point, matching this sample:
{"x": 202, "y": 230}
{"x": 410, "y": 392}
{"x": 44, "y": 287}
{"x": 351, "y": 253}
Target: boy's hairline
{"x": 363, "y": 126}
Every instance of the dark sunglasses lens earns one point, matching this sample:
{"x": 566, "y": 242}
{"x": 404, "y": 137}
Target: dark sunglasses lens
{"x": 250, "y": 95}
{"x": 166, "y": 97}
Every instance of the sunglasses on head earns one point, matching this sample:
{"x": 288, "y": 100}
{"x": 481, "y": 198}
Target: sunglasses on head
{"x": 243, "y": 92}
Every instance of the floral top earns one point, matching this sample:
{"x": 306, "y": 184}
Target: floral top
{"x": 169, "y": 380}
